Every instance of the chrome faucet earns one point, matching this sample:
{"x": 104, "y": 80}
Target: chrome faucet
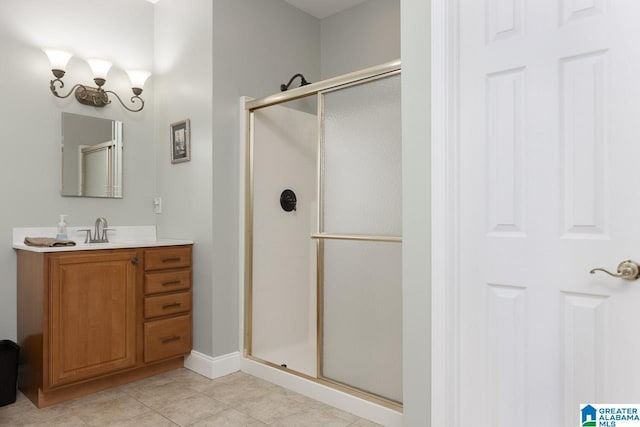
{"x": 99, "y": 232}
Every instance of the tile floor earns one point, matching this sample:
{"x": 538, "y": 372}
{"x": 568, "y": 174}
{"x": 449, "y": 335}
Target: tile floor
{"x": 184, "y": 398}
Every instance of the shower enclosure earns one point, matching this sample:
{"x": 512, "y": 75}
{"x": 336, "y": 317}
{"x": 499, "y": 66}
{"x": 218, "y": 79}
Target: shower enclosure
{"x": 323, "y": 249}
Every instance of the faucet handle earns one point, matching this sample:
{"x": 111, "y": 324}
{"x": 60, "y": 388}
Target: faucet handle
{"x": 88, "y": 236}
{"x": 105, "y": 238}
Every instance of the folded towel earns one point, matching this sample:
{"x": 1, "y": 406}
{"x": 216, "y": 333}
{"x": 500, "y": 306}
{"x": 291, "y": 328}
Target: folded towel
{"x": 47, "y": 242}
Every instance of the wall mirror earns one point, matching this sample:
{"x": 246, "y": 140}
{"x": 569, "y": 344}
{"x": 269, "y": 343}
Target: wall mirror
{"x": 91, "y": 156}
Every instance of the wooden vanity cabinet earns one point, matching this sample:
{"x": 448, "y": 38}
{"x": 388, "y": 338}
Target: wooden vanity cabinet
{"x": 90, "y": 320}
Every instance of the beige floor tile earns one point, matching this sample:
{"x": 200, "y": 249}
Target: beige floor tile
{"x": 106, "y": 411}
{"x": 184, "y": 398}
{"x": 160, "y": 394}
{"x": 364, "y": 423}
{"x": 274, "y": 406}
{"x": 191, "y": 409}
{"x": 239, "y": 390}
{"x": 139, "y": 388}
{"x": 311, "y": 418}
{"x": 188, "y": 379}
{"x": 10, "y": 412}
{"x": 24, "y": 412}
{"x": 149, "y": 419}
{"x": 236, "y": 376}
{"x": 62, "y": 421}
{"x": 94, "y": 398}
{"x": 298, "y": 397}
{"x": 228, "y": 418}
{"x": 347, "y": 416}
{"x": 242, "y": 379}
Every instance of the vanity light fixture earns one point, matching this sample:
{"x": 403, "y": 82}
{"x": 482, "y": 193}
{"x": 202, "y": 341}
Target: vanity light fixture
{"x": 94, "y": 96}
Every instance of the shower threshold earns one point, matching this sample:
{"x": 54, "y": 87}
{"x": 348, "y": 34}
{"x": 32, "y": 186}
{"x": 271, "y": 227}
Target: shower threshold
{"x": 298, "y": 357}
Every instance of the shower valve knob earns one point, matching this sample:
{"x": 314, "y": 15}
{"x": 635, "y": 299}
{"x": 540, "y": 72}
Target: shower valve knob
{"x": 288, "y": 200}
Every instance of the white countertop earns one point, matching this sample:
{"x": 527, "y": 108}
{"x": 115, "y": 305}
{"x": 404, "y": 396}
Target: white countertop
{"x": 119, "y": 237}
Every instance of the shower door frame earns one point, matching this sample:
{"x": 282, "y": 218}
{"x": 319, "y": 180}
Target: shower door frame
{"x": 319, "y": 88}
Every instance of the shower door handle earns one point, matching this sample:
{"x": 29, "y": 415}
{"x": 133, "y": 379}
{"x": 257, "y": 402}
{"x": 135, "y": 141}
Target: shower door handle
{"x": 362, "y": 237}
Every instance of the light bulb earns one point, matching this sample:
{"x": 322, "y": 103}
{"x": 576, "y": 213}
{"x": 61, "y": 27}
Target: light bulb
{"x": 58, "y": 58}
{"x": 138, "y": 77}
{"x": 99, "y": 67}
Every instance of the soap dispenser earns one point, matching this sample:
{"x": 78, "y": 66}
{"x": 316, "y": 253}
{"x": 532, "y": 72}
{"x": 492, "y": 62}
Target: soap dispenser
{"x": 62, "y": 228}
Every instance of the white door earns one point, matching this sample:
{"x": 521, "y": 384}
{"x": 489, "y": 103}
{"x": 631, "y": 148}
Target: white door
{"x": 549, "y": 160}
{"x": 95, "y": 166}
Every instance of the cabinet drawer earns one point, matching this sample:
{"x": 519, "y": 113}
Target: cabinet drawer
{"x": 163, "y": 258}
{"x": 167, "y": 338}
{"x": 166, "y": 282}
{"x": 167, "y": 304}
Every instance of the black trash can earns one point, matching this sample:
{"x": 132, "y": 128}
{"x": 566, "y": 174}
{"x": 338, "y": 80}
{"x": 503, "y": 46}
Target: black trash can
{"x": 9, "y": 352}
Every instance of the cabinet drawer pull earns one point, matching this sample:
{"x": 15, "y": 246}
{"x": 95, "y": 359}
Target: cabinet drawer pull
{"x": 166, "y": 340}
{"x": 176, "y": 259}
{"x": 175, "y": 304}
{"x": 173, "y": 282}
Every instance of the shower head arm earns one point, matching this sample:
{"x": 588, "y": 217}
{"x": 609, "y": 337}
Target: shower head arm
{"x": 303, "y": 82}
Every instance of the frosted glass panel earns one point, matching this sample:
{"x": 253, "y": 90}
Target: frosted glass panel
{"x": 284, "y": 257}
{"x": 362, "y": 326}
{"x": 362, "y": 159}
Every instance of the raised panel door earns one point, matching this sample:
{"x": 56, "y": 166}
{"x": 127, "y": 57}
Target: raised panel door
{"x": 547, "y": 159}
{"x": 92, "y": 312}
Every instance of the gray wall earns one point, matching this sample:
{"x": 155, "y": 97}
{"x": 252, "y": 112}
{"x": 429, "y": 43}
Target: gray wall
{"x": 362, "y": 36}
{"x": 183, "y": 45}
{"x": 258, "y": 44}
{"x": 207, "y": 56}
{"x": 31, "y": 119}
{"x": 416, "y": 208}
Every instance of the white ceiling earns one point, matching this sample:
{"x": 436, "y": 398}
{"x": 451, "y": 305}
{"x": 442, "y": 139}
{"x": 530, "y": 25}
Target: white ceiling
{"x": 323, "y": 8}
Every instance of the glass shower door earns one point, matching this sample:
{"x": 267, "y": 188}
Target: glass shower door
{"x": 359, "y": 238}
{"x": 283, "y": 292}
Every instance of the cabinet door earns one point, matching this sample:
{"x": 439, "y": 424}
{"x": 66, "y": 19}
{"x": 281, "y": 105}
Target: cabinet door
{"x": 92, "y": 313}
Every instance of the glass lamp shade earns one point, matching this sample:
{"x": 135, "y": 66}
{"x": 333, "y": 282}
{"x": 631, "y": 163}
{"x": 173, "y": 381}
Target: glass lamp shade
{"x": 138, "y": 77}
{"x": 58, "y": 58}
{"x": 99, "y": 67}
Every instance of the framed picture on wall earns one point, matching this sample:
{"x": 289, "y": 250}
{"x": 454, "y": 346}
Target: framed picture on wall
{"x": 181, "y": 141}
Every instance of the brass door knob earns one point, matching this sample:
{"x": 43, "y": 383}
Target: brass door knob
{"x": 627, "y": 270}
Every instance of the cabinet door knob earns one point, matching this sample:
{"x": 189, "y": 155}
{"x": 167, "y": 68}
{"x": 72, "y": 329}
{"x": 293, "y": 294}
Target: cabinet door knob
{"x": 134, "y": 261}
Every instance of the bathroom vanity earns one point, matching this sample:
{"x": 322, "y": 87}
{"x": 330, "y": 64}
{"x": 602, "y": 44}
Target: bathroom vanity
{"x": 95, "y": 316}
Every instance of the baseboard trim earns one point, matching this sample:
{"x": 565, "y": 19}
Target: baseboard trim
{"x": 330, "y": 396}
{"x": 213, "y": 367}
